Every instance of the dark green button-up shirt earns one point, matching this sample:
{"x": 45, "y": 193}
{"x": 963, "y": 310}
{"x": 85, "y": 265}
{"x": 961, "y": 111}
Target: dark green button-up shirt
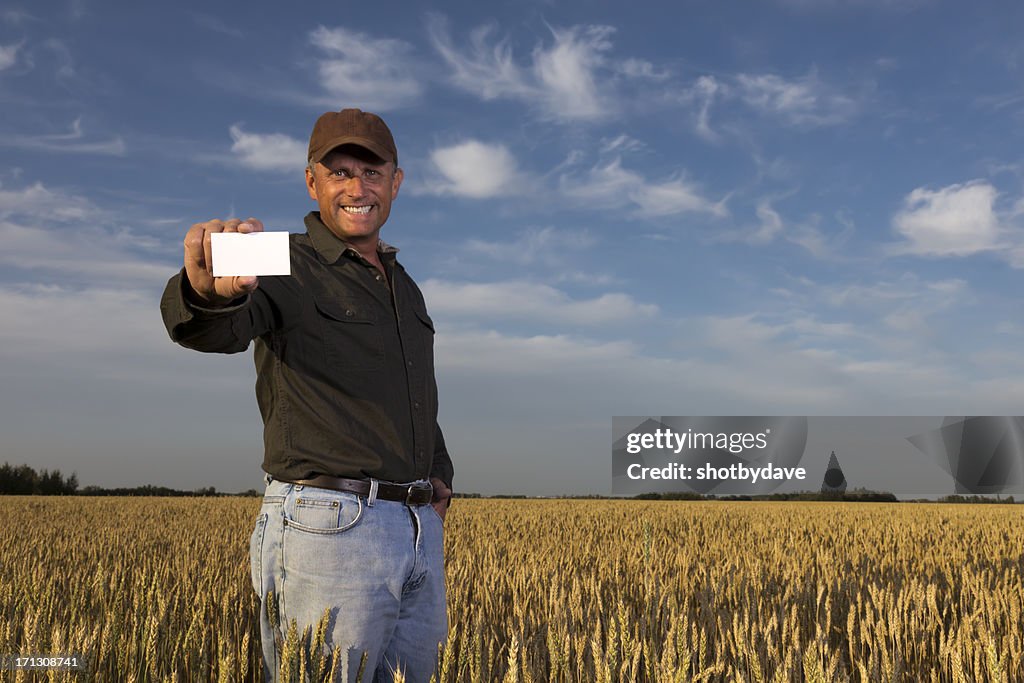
{"x": 344, "y": 362}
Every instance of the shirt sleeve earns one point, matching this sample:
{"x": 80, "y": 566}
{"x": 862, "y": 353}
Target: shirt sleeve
{"x": 442, "y": 464}
{"x": 228, "y": 329}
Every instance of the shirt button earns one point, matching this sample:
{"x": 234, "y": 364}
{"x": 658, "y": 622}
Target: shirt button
{"x": 379, "y": 277}
{"x": 349, "y": 313}
{"x": 410, "y": 364}
{"x": 416, "y": 405}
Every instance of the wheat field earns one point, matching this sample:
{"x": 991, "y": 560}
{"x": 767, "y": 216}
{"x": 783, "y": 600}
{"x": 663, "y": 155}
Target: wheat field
{"x": 157, "y": 589}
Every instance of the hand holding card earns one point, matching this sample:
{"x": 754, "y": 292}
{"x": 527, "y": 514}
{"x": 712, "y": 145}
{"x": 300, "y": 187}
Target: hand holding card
{"x": 206, "y": 288}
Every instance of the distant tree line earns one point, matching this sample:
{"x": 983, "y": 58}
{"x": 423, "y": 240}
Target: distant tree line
{"x": 23, "y": 480}
{"x": 975, "y": 499}
{"x": 149, "y": 490}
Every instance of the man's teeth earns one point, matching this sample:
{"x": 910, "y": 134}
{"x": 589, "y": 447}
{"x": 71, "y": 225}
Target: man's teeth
{"x": 357, "y": 209}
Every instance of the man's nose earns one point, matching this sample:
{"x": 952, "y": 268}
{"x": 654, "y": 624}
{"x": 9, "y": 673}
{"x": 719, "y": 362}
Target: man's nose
{"x": 354, "y": 185}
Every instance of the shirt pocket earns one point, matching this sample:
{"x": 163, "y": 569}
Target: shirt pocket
{"x": 351, "y": 334}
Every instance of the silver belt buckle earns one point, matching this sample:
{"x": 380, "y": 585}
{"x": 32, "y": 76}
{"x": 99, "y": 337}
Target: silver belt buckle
{"x": 413, "y": 488}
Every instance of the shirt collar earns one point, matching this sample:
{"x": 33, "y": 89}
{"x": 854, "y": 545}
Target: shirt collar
{"x": 327, "y": 244}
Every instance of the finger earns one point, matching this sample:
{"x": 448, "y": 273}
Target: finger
{"x": 231, "y": 225}
{"x": 195, "y": 265}
{"x": 233, "y": 287}
{"x": 209, "y": 228}
{"x": 441, "y": 490}
{"x": 251, "y": 225}
{"x": 246, "y": 283}
{"x": 194, "y": 246}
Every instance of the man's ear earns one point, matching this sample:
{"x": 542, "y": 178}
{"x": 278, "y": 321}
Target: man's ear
{"x": 311, "y": 184}
{"x": 396, "y": 182}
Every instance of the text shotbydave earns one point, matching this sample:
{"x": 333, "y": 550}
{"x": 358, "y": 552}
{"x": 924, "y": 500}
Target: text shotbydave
{"x": 666, "y": 439}
{"x": 706, "y": 472}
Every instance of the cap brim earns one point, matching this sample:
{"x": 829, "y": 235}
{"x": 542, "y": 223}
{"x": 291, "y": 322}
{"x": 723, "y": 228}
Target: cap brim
{"x": 365, "y": 143}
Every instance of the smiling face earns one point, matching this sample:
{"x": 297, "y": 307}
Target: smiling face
{"x": 354, "y": 190}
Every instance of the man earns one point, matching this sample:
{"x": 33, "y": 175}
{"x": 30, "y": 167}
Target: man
{"x": 358, "y": 474}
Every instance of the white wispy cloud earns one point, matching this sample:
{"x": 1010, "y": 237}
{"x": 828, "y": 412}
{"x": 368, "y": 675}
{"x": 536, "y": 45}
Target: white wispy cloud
{"x": 706, "y": 88}
{"x": 771, "y": 223}
{"x": 641, "y": 68}
{"x": 570, "y": 79}
{"x": 487, "y": 67}
{"x": 808, "y": 233}
{"x": 621, "y": 144}
{"x": 609, "y": 185}
{"x": 9, "y": 55}
{"x": 722, "y": 365}
{"x": 38, "y": 202}
{"x": 672, "y": 197}
{"x": 529, "y": 301}
{"x": 533, "y": 355}
{"x": 898, "y": 316}
{"x": 477, "y": 170}
{"x": 482, "y": 170}
{"x": 820, "y": 242}
{"x": 365, "y": 71}
{"x": 544, "y": 245}
{"x": 267, "y": 151}
{"x": 567, "y": 72}
{"x": 886, "y": 295}
{"x": 72, "y": 142}
{"x": 86, "y": 254}
{"x": 804, "y": 101}
{"x": 127, "y": 314}
{"x": 61, "y": 236}
{"x": 957, "y": 220}
{"x": 130, "y": 349}
{"x": 701, "y": 97}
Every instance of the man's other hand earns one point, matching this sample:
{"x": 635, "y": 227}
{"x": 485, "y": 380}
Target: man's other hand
{"x": 209, "y": 290}
{"x": 442, "y": 497}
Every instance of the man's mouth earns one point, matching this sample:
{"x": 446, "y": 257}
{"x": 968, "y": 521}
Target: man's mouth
{"x": 358, "y": 210}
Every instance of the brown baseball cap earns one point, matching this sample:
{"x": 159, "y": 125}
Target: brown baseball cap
{"x": 351, "y": 127}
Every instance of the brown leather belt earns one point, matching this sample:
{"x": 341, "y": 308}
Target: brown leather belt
{"x": 419, "y": 493}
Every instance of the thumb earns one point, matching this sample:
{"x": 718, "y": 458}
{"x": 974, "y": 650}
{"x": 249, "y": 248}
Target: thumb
{"x": 246, "y": 283}
{"x": 233, "y": 287}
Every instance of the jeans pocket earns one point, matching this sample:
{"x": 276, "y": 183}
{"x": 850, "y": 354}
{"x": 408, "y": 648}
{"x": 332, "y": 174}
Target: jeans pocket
{"x": 436, "y": 514}
{"x": 256, "y": 554}
{"x": 323, "y": 512}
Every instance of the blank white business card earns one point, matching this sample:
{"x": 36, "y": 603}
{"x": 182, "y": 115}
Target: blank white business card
{"x": 254, "y": 253}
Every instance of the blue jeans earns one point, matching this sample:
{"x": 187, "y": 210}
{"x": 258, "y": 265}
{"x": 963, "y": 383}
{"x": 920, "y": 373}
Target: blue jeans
{"x": 377, "y": 565}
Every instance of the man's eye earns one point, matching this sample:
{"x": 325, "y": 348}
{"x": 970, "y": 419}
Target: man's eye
{"x": 372, "y": 172}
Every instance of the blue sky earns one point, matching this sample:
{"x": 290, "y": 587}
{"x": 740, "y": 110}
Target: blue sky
{"x": 770, "y": 208}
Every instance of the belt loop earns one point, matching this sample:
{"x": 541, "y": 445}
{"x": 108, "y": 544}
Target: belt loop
{"x": 373, "y": 493}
